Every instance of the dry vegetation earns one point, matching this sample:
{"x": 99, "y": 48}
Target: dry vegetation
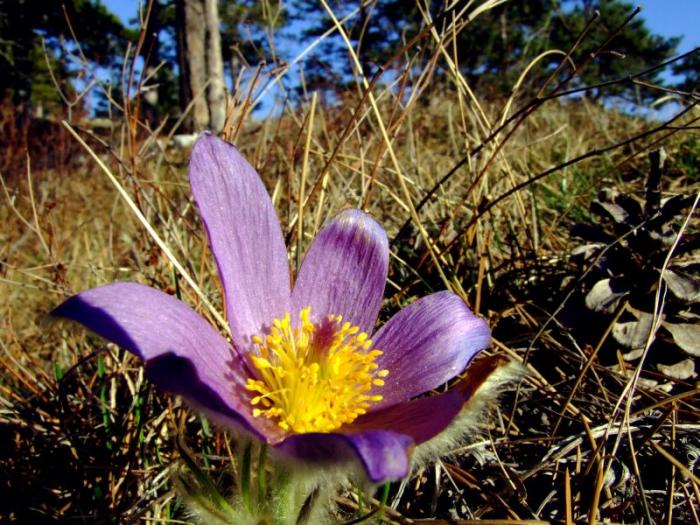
{"x": 589, "y": 434}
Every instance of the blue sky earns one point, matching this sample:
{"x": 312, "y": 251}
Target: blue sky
{"x": 665, "y": 17}
{"x": 674, "y": 18}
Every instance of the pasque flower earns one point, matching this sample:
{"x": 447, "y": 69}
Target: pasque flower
{"x": 304, "y": 370}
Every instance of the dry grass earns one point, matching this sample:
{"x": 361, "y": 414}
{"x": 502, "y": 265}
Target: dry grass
{"x": 85, "y": 439}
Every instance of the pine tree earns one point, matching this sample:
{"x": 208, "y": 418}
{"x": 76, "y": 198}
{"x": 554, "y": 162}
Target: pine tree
{"x": 495, "y": 47}
{"x": 23, "y": 25}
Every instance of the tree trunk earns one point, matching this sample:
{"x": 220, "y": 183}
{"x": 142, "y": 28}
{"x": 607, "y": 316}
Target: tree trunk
{"x": 201, "y": 61}
{"x": 215, "y": 66}
{"x": 195, "y": 64}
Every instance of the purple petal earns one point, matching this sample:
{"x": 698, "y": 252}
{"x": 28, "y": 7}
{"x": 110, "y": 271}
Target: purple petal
{"x": 183, "y": 353}
{"x": 244, "y": 234}
{"x": 385, "y": 455}
{"x": 345, "y": 270}
{"x": 425, "y": 418}
{"x": 421, "y": 418}
{"x": 426, "y": 344}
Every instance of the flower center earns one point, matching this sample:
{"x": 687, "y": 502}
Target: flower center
{"x": 314, "y": 377}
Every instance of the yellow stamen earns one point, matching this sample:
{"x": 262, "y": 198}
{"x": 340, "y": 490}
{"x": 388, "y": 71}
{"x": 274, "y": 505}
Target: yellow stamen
{"x": 315, "y": 377}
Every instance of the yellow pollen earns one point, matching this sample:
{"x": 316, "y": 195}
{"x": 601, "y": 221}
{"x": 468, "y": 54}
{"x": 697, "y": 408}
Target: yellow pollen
{"x": 314, "y": 377}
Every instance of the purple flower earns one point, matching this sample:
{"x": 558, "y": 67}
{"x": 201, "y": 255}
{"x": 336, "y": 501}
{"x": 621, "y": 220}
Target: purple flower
{"x": 302, "y": 372}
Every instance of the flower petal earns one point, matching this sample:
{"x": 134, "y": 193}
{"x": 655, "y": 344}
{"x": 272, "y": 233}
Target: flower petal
{"x": 244, "y": 234}
{"x": 345, "y": 270}
{"x": 385, "y": 455}
{"x": 425, "y": 418}
{"x": 421, "y": 418}
{"x": 426, "y": 344}
{"x": 183, "y": 353}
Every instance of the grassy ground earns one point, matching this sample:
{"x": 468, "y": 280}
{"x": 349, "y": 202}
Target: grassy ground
{"x": 472, "y": 199}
